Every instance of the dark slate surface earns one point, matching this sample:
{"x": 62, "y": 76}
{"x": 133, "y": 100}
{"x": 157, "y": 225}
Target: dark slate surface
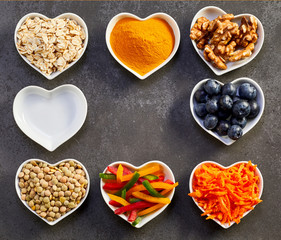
{"x": 136, "y": 121}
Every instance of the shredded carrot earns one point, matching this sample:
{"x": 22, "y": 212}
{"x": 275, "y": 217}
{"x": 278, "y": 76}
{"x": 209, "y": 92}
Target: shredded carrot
{"x": 226, "y": 194}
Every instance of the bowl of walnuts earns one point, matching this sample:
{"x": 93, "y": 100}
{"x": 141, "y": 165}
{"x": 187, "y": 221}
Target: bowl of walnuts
{"x": 226, "y": 41}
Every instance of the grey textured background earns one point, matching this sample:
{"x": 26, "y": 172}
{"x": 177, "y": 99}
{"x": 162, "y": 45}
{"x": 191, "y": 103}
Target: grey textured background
{"x": 137, "y": 121}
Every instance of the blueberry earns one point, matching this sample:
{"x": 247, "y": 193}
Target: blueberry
{"x": 216, "y": 97}
{"x": 212, "y": 87}
{"x": 247, "y": 91}
{"x": 255, "y": 109}
{"x": 200, "y": 109}
{"x": 241, "y": 108}
{"x": 239, "y": 121}
{"x": 225, "y": 102}
{"x": 223, "y": 114}
{"x": 235, "y": 99}
{"x": 235, "y": 132}
{"x": 201, "y": 96}
{"x": 210, "y": 121}
{"x": 222, "y": 127}
{"x": 228, "y": 89}
{"x": 212, "y": 106}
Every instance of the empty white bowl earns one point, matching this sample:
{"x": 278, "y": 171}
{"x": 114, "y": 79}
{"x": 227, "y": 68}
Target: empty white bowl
{"x": 211, "y": 13}
{"x": 18, "y": 190}
{"x": 260, "y": 186}
{"x": 145, "y": 219}
{"x": 50, "y": 117}
{"x": 72, "y": 16}
{"x": 250, "y": 123}
{"x": 173, "y": 24}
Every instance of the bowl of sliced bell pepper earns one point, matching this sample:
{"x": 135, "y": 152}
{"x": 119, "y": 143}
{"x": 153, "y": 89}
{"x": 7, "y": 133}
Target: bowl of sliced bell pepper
{"x": 137, "y": 194}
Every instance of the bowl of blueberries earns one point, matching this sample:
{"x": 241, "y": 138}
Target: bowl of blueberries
{"x": 227, "y": 111}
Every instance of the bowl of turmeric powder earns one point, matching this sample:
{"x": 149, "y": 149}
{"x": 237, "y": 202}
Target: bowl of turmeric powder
{"x": 142, "y": 45}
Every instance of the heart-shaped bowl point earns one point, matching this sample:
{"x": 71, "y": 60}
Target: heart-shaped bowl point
{"x": 173, "y": 24}
{"x": 70, "y": 16}
{"x": 257, "y": 173}
{"x": 212, "y": 12}
{"x": 50, "y": 117}
{"x": 51, "y": 166}
{"x": 250, "y": 123}
{"x": 146, "y": 218}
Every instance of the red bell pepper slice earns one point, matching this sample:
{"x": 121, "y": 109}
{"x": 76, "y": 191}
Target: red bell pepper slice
{"x": 115, "y": 204}
{"x": 113, "y": 170}
{"x": 160, "y": 179}
{"x": 145, "y": 192}
{"x": 133, "y": 215}
{"x": 113, "y": 186}
{"x": 137, "y": 205}
{"x": 169, "y": 181}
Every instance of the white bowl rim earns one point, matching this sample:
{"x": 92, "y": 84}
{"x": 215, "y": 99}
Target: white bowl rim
{"x": 53, "y": 146}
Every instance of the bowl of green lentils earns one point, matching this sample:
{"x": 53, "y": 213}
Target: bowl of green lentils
{"x": 52, "y": 191}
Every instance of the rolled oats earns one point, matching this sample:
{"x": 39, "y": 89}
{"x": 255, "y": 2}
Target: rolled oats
{"x": 50, "y": 44}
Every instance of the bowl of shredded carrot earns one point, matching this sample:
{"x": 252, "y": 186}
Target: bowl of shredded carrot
{"x": 226, "y": 194}
{"x": 137, "y": 194}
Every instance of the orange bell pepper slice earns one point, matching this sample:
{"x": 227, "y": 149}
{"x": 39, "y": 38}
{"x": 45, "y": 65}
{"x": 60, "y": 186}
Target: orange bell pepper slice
{"x": 143, "y": 172}
{"x": 149, "y": 198}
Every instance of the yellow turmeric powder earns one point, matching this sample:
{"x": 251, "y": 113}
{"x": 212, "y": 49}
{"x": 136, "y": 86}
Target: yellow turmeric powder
{"x": 142, "y": 45}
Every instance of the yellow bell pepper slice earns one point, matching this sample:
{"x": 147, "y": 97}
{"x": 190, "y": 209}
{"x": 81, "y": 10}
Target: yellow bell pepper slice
{"x": 139, "y": 188}
{"x": 119, "y": 173}
{"x": 118, "y": 199}
{"x": 151, "y": 209}
{"x": 143, "y": 172}
{"x": 149, "y": 198}
{"x": 168, "y": 190}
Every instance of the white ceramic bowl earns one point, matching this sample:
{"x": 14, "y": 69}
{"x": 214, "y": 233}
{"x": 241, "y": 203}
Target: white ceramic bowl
{"x": 211, "y": 13}
{"x": 50, "y": 117}
{"x": 72, "y": 16}
{"x": 173, "y": 24}
{"x": 250, "y": 122}
{"x": 25, "y": 203}
{"x": 257, "y": 172}
{"x": 145, "y": 219}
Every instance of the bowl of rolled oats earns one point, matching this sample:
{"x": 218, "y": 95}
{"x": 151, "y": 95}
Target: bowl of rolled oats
{"x": 226, "y": 41}
{"x": 51, "y": 45}
{"x": 52, "y": 191}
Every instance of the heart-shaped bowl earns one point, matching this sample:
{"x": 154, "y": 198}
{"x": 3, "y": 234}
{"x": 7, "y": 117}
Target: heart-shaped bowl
{"x": 257, "y": 173}
{"x": 71, "y": 16}
{"x": 18, "y": 190}
{"x": 173, "y": 24}
{"x": 50, "y": 117}
{"x": 211, "y": 13}
{"x": 250, "y": 123}
{"x": 145, "y": 219}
